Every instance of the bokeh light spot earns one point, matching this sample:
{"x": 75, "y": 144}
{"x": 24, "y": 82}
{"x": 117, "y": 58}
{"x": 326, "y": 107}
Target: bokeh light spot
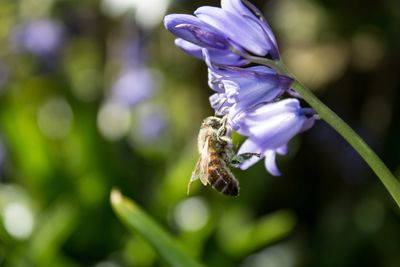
{"x": 367, "y": 50}
{"x": 317, "y": 65}
{"x": 55, "y": 118}
{"x": 275, "y": 256}
{"x": 191, "y": 214}
{"x": 18, "y": 220}
{"x": 92, "y": 189}
{"x": 369, "y": 215}
{"x": 107, "y": 264}
{"x": 299, "y": 21}
{"x": 114, "y": 120}
{"x": 148, "y": 13}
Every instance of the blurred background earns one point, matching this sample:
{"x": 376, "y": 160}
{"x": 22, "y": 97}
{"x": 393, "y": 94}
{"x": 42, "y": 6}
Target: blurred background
{"x": 94, "y": 95}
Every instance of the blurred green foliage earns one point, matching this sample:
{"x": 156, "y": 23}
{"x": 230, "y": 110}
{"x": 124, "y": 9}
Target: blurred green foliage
{"x": 63, "y": 147}
{"x": 169, "y": 249}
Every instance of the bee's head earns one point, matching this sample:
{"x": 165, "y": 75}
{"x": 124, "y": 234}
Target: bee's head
{"x": 213, "y": 122}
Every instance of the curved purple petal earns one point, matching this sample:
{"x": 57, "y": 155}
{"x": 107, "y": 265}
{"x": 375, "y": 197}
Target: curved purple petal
{"x": 195, "y": 31}
{"x": 283, "y": 150}
{"x": 219, "y": 102}
{"x": 246, "y": 147}
{"x": 252, "y": 13}
{"x": 245, "y": 88}
{"x": 270, "y": 127}
{"x": 273, "y": 124}
{"x": 270, "y": 163}
{"x": 222, "y": 57}
{"x": 276, "y": 132}
{"x": 259, "y": 89}
{"x": 246, "y": 33}
{"x": 253, "y": 117}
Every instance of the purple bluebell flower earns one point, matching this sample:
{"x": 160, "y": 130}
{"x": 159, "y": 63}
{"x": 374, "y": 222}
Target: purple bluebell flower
{"x": 270, "y": 127}
{"x": 233, "y": 26}
{"x": 240, "y": 89}
{"x": 40, "y": 37}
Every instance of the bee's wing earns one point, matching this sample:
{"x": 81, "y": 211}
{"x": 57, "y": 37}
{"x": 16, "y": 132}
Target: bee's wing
{"x": 200, "y": 170}
{"x": 204, "y": 160}
{"x": 195, "y": 175}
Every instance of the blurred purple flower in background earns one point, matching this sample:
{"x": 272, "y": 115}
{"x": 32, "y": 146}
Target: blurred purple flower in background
{"x": 251, "y": 97}
{"x": 133, "y": 86}
{"x": 151, "y": 123}
{"x": 130, "y": 107}
{"x": 135, "y": 82}
{"x": 233, "y": 26}
{"x": 40, "y": 37}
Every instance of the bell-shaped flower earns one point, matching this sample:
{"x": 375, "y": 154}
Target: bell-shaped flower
{"x": 233, "y": 27}
{"x": 241, "y": 89}
{"x": 243, "y": 25}
{"x": 269, "y": 129}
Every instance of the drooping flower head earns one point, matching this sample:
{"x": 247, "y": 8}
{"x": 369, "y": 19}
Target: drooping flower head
{"x": 251, "y": 97}
{"x": 233, "y": 26}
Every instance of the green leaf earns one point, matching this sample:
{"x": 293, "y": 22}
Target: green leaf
{"x": 140, "y": 223}
{"x": 252, "y": 235}
{"x": 54, "y": 227}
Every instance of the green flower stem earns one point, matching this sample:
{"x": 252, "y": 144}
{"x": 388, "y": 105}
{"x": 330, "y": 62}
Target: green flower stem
{"x": 325, "y": 113}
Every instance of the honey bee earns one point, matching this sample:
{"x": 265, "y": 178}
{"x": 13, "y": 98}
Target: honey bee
{"x": 216, "y": 157}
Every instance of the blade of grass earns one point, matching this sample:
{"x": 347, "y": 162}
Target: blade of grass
{"x": 252, "y": 235}
{"x": 140, "y": 223}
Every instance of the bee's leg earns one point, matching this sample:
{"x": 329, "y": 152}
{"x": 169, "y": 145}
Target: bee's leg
{"x": 236, "y": 160}
{"x": 223, "y": 129}
{"x": 194, "y": 177}
{"x": 225, "y": 139}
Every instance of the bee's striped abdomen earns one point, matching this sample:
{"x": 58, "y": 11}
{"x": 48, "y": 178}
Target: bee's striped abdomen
{"x": 221, "y": 179}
